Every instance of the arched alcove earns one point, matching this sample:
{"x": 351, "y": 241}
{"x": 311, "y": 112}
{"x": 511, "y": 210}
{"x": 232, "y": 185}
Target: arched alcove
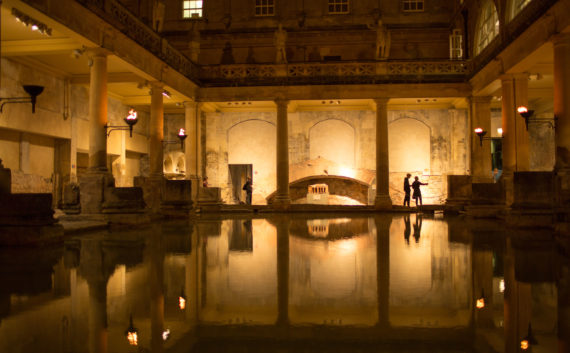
{"x": 253, "y": 142}
{"x": 409, "y": 141}
{"x": 332, "y": 139}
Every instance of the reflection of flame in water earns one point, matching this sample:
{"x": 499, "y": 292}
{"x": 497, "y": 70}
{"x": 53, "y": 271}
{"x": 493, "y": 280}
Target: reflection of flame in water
{"x": 181, "y": 303}
{"x": 502, "y": 286}
{"x": 133, "y": 339}
{"x": 480, "y": 303}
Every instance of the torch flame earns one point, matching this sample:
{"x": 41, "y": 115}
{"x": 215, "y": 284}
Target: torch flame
{"x": 182, "y": 303}
{"x": 478, "y": 130}
{"x": 522, "y": 109}
{"x": 524, "y": 345}
{"x": 132, "y": 337}
{"x": 182, "y": 132}
{"x": 480, "y": 303}
{"x": 132, "y": 115}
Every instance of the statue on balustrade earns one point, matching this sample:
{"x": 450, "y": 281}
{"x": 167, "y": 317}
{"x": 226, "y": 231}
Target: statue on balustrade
{"x": 280, "y": 45}
{"x": 158, "y": 8}
{"x": 383, "y": 41}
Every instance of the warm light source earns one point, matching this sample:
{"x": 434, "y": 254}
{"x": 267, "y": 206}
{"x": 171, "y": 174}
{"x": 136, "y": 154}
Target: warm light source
{"x": 500, "y": 131}
{"x": 34, "y": 24}
{"x": 480, "y": 132}
{"x": 529, "y": 339}
{"x": 502, "y": 286}
{"x": 33, "y": 91}
{"x": 130, "y": 119}
{"x": 525, "y": 113}
{"x": 166, "y": 94}
{"x": 181, "y": 136}
{"x": 131, "y": 333}
{"x": 182, "y": 300}
{"x": 480, "y": 302}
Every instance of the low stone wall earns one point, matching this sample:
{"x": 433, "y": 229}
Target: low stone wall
{"x": 30, "y": 183}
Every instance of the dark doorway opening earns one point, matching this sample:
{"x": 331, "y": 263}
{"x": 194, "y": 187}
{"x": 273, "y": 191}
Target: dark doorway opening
{"x": 238, "y": 175}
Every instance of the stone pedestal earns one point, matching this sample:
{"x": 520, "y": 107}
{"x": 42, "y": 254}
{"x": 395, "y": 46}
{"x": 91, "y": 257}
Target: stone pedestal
{"x": 533, "y": 200}
{"x": 5, "y": 180}
{"x": 123, "y": 200}
{"x": 209, "y": 199}
{"x": 458, "y": 192}
{"x": 152, "y": 191}
{"x": 487, "y": 200}
{"x": 176, "y": 197}
{"x": 92, "y": 187}
{"x": 70, "y": 203}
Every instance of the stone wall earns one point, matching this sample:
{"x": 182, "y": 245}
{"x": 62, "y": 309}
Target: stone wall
{"x": 427, "y": 143}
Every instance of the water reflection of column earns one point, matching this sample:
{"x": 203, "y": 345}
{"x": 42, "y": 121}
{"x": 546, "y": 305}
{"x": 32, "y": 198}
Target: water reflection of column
{"x": 483, "y": 285}
{"x": 383, "y": 268}
{"x": 93, "y": 270}
{"x": 282, "y": 225}
{"x": 156, "y": 280}
{"x": 191, "y": 285}
{"x": 517, "y": 304}
{"x": 564, "y": 309}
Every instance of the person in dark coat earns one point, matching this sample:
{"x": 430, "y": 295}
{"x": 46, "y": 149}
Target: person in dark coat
{"x": 417, "y": 193}
{"x": 248, "y": 190}
{"x": 407, "y": 189}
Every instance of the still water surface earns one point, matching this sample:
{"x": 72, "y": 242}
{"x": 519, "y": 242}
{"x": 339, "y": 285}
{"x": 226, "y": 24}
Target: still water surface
{"x": 403, "y": 283}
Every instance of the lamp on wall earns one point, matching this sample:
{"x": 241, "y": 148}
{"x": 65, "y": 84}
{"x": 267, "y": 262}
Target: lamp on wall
{"x": 33, "y": 91}
{"x": 525, "y": 113}
{"x": 181, "y": 137}
{"x": 481, "y": 301}
{"x": 481, "y": 133}
{"x": 131, "y": 120}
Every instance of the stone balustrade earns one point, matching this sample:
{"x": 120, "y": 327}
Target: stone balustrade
{"x": 335, "y": 73}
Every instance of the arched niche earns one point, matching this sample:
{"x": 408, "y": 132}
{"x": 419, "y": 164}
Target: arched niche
{"x": 409, "y": 145}
{"x": 254, "y": 142}
{"x": 332, "y": 139}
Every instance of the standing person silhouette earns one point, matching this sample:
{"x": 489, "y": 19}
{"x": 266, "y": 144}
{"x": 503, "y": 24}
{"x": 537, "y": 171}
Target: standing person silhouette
{"x": 248, "y": 190}
{"x": 418, "y": 228}
{"x": 407, "y": 189}
{"x": 407, "y": 229}
{"x": 417, "y": 193}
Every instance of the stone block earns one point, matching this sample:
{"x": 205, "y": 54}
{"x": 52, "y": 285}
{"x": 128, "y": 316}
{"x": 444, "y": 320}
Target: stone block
{"x": 209, "y": 196}
{"x": 70, "y": 203}
{"x": 151, "y": 188}
{"x": 26, "y": 209}
{"x": 176, "y": 197}
{"x": 458, "y": 189}
{"x": 487, "y": 194}
{"x": 92, "y": 189}
{"x": 123, "y": 200}
{"x": 534, "y": 190}
{"x": 5, "y": 180}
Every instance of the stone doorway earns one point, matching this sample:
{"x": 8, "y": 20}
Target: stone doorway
{"x": 238, "y": 174}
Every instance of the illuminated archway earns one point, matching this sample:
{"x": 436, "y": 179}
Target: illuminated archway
{"x": 332, "y": 139}
{"x": 409, "y": 141}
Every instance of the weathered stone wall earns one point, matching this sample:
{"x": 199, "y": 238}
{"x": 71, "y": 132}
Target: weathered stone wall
{"x": 427, "y": 143}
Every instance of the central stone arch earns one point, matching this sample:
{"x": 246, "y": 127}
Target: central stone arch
{"x": 338, "y": 185}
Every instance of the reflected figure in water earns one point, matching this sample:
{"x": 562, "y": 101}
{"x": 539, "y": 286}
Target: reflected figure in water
{"x": 407, "y": 229}
{"x": 418, "y": 228}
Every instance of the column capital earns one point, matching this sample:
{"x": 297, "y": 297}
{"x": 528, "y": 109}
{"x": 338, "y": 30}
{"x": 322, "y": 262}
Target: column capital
{"x": 281, "y": 101}
{"x": 156, "y": 85}
{"x": 560, "y": 39}
{"x": 190, "y": 104}
{"x": 381, "y": 100}
{"x": 514, "y": 76}
{"x": 96, "y": 52}
{"x": 480, "y": 99}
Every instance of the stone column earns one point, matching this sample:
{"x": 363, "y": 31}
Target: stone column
{"x": 516, "y": 156}
{"x": 481, "y": 166}
{"x": 382, "y": 200}
{"x": 156, "y": 131}
{"x": 192, "y": 158}
{"x": 25, "y": 153}
{"x": 562, "y": 112}
{"x": 97, "y": 110}
{"x": 156, "y": 286}
{"x": 282, "y": 194}
{"x": 97, "y": 178}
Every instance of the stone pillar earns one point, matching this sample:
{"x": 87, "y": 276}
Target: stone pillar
{"x": 562, "y": 112}
{"x": 481, "y": 166}
{"x": 516, "y": 156}
{"x": 25, "y": 153}
{"x": 73, "y": 147}
{"x": 282, "y": 271}
{"x": 97, "y": 110}
{"x": 382, "y": 200}
{"x": 192, "y": 158}
{"x": 282, "y": 194}
{"x": 97, "y": 178}
{"x": 156, "y": 131}
{"x": 383, "y": 268}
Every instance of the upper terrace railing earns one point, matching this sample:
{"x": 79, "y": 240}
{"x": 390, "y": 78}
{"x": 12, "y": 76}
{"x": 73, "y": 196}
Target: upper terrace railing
{"x": 334, "y": 73}
{"x": 121, "y": 18}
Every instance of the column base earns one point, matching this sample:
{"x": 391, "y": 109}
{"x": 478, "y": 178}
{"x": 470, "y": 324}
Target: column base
{"x": 383, "y": 202}
{"x": 281, "y": 201}
{"x": 92, "y": 189}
